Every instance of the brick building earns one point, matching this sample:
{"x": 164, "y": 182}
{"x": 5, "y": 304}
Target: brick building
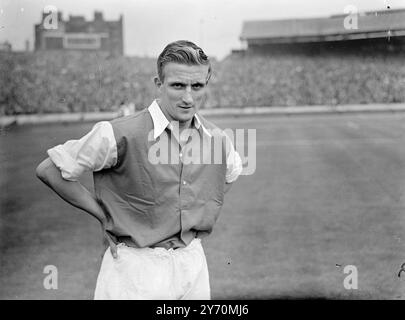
{"x": 5, "y": 46}
{"x": 79, "y": 34}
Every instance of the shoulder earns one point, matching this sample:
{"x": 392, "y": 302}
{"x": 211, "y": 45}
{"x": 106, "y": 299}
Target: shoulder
{"x": 139, "y": 116}
{"x": 208, "y": 124}
{"x": 133, "y": 124}
{"x": 212, "y": 128}
{"x": 215, "y": 131}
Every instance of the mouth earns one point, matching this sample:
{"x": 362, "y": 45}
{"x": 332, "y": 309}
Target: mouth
{"x": 185, "y": 107}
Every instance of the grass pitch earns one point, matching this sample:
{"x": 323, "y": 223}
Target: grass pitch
{"x": 328, "y": 191}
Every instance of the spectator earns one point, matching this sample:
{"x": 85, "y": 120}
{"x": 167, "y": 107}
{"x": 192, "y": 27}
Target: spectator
{"x": 89, "y": 81}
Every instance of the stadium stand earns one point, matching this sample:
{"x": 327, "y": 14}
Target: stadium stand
{"x": 86, "y": 82}
{"x": 294, "y": 80}
{"x": 50, "y": 82}
{"x": 59, "y": 81}
{"x": 382, "y": 31}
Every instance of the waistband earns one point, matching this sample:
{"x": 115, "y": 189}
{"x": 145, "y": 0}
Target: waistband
{"x": 174, "y": 242}
{"x": 168, "y": 245}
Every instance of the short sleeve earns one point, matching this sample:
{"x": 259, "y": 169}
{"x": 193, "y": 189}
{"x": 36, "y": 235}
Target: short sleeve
{"x": 95, "y": 151}
{"x": 233, "y": 162}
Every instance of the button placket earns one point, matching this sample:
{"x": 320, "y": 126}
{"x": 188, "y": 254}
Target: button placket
{"x": 184, "y": 184}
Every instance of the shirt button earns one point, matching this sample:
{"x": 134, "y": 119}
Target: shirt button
{"x": 184, "y": 182}
{"x": 181, "y": 154}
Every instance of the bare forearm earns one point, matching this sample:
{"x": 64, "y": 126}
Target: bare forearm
{"x": 70, "y": 191}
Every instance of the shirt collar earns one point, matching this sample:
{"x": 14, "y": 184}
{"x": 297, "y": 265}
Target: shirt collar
{"x": 198, "y": 124}
{"x": 160, "y": 122}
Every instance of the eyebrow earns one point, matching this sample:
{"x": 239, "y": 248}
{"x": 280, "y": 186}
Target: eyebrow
{"x": 183, "y": 83}
{"x": 199, "y": 83}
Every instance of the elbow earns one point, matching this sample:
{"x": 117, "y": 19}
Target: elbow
{"x": 41, "y": 171}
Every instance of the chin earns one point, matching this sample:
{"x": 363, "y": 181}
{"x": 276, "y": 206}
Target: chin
{"x": 185, "y": 117}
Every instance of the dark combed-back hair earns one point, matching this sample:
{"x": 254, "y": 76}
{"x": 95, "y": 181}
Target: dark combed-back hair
{"x": 184, "y": 52}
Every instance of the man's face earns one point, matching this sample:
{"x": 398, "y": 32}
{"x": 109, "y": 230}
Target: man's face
{"x": 182, "y": 91}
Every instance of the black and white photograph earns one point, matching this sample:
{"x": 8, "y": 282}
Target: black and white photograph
{"x": 202, "y": 150}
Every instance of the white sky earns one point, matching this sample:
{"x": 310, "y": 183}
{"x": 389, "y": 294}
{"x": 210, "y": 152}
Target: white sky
{"x": 150, "y": 24}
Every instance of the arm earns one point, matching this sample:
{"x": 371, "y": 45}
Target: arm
{"x": 71, "y": 191}
{"x": 74, "y": 193}
{"x": 66, "y": 163}
{"x": 233, "y": 165}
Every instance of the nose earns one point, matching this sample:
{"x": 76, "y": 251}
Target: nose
{"x": 187, "y": 97}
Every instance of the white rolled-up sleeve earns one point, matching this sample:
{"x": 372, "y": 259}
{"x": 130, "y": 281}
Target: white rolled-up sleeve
{"x": 95, "y": 151}
{"x": 233, "y": 162}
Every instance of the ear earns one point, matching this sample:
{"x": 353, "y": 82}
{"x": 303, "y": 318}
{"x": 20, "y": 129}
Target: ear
{"x": 157, "y": 82}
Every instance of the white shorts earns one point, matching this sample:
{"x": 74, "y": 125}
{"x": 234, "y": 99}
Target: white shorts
{"x": 154, "y": 274}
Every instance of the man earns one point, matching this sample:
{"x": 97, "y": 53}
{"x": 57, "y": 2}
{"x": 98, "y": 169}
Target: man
{"x": 160, "y": 177}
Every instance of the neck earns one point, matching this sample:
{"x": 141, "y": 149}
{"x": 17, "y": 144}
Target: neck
{"x": 185, "y": 125}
